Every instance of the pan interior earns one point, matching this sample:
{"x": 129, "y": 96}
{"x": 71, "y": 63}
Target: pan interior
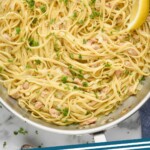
{"x": 125, "y": 108}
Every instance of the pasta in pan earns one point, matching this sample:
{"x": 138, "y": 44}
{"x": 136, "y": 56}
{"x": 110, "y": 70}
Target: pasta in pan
{"x": 71, "y": 61}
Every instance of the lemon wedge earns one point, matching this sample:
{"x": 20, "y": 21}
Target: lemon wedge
{"x": 139, "y": 13}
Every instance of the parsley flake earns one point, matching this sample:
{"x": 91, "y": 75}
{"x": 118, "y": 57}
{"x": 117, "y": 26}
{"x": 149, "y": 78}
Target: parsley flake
{"x": 52, "y": 21}
{"x": 80, "y": 56}
{"x": 43, "y": 8}
{"x": 18, "y": 30}
{"x": 38, "y": 62}
{"x": 4, "y": 144}
{"x": 81, "y": 22}
{"x": 85, "y": 84}
{"x": 21, "y": 131}
{"x": 107, "y": 65}
{"x": 142, "y": 79}
{"x": 64, "y": 79}
{"x": 94, "y": 14}
{"x": 65, "y": 111}
{"x": 92, "y": 2}
{"x": 33, "y": 43}
{"x": 74, "y": 15}
{"x": 31, "y": 3}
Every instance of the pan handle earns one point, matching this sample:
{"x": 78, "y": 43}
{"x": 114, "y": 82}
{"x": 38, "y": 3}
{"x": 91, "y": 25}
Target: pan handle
{"x": 99, "y": 137}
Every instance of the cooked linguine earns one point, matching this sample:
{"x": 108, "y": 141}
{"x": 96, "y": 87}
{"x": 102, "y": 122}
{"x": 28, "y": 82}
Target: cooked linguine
{"x": 71, "y": 61}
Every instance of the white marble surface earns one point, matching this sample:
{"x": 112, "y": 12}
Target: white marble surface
{"x": 129, "y": 129}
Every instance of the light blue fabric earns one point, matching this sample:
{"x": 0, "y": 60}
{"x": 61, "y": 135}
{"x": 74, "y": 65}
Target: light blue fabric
{"x": 145, "y": 119}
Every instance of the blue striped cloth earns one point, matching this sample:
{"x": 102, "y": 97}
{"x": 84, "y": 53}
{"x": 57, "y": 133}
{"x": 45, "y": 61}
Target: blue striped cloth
{"x": 145, "y": 119}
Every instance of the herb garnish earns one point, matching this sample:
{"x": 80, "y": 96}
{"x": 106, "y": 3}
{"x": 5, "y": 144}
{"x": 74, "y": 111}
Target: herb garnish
{"x": 80, "y": 56}
{"x": 74, "y": 15}
{"x": 65, "y": 1}
{"x": 4, "y": 144}
{"x": 142, "y": 79}
{"x": 71, "y": 56}
{"x": 52, "y": 21}
{"x": 31, "y": 3}
{"x": 43, "y": 8}
{"x": 81, "y": 22}
{"x": 18, "y": 30}
{"x": 107, "y": 65}
{"x": 10, "y": 60}
{"x": 36, "y": 132}
{"x": 33, "y": 43}
{"x": 65, "y": 111}
{"x": 64, "y": 79}
{"x": 21, "y": 131}
{"x": 94, "y": 14}
{"x": 92, "y": 2}
{"x": 38, "y": 62}
{"x": 85, "y": 84}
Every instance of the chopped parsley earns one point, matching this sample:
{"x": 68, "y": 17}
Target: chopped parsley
{"x": 94, "y": 14}
{"x": 36, "y": 132}
{"x": 65, "y": 111}
{"x": 92, "y": 2}
{"x": 71, "y": 56}
{"x": 65, "y": 1}
{"x": 21, "y": 131}
{"x": 127, "y": 72}
{"x": 85, "y": 84}
{"x": 77, "y": 73}
{"x": 31, "y": 3}
{"x": 107, "y": 65}
{"x": 81, "y": 22}
{"x": 52, "y": 21}
{"x": 119, "y": 93}
{"x": 4, "y": 144}
{"x": 80, "y": 56}
{"x": 70, "y": 66}
{"x": 43, "y": 8}
{"x": 18, "y": 30}
{"x": 10, "y": 60}
{"x": 142, "y": 79}
{"x": 37, "y": 62}
{"x": 80, "y": 76}
{"x": 80, "y": 71}
{"x": 75, "y": 87}
{"x": 56, "y": 47}
{"x": 74, "y": 15}
{"x": 88, "y": 112}
{"x": 33, "y": 43}
{"x": 64, "y": 79}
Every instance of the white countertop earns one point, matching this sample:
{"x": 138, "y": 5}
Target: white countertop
{"x": 129, "y": 129}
